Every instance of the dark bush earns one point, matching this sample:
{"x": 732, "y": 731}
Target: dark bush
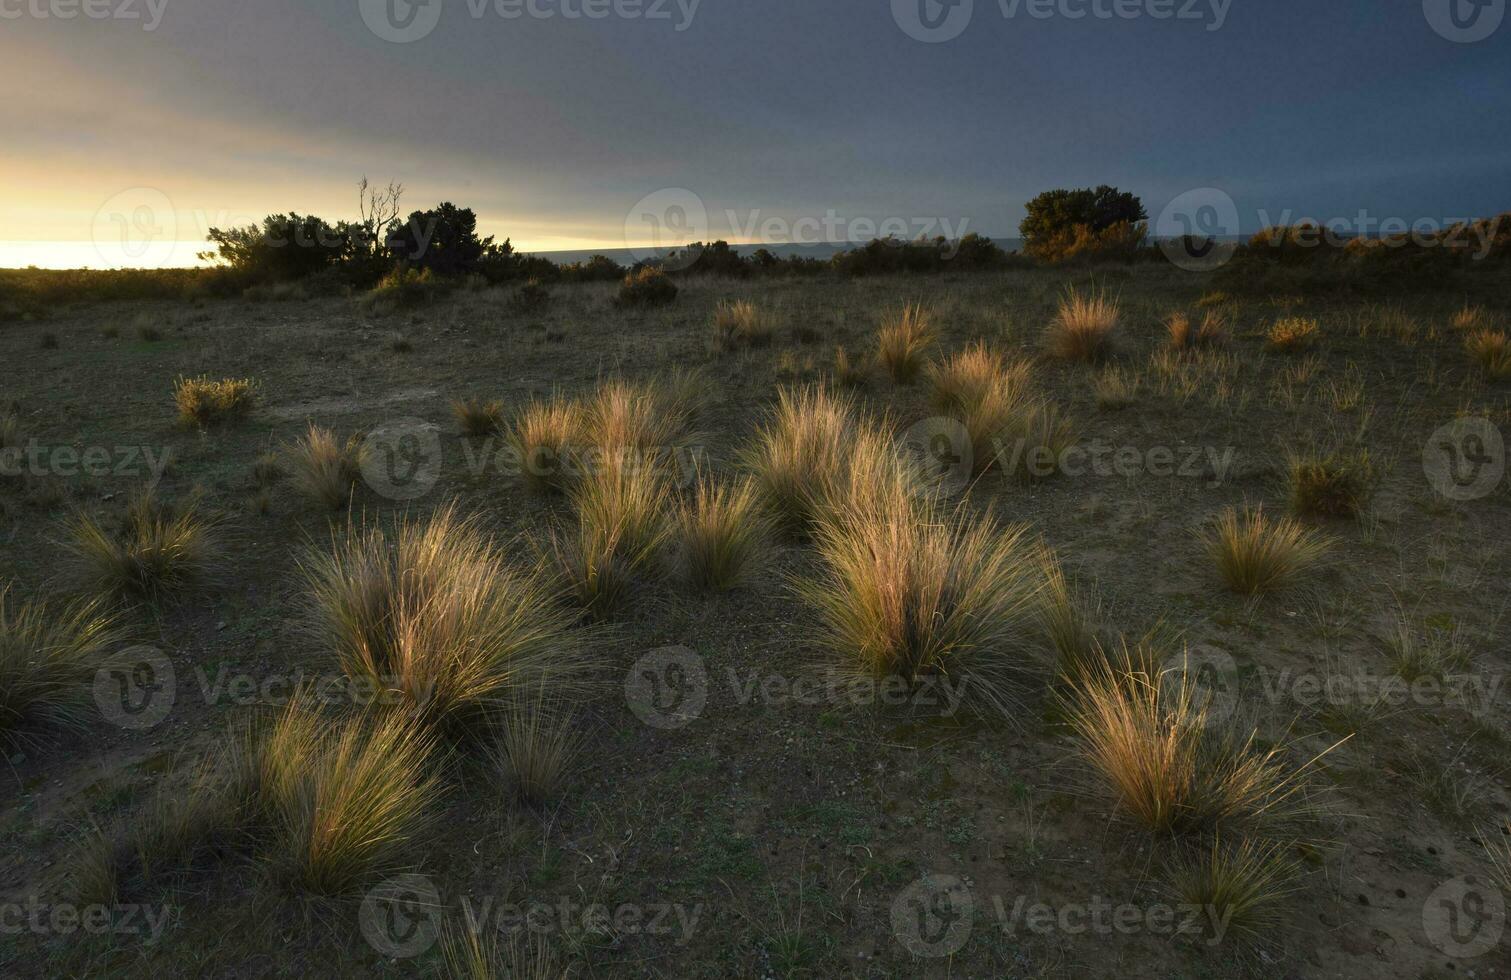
{"x": 646, "y": 286}
{"x": 286, "y": 247}
{"x": 1078, "y": 223}
{"x": 444, "y": 241}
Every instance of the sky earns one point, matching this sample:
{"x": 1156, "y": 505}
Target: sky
{"x": 132, "y": 126}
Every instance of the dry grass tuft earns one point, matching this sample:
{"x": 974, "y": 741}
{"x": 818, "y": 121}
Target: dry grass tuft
{"x": 742, "y": 324}
{"x": 1082, "y": 328}
{"x": 468, "y": 955}
{"x": 49, "y": 658}
{"x": 909, "y": 592}
{"x": 203, "y": 402}
{"x": 1149, "y": 741}
{"x": 1032, "y": 445}
{"x": 1471, "y": 318}
{"x": 1491, "y": 350}
{"x": 1338, "y": 483}
{"x": 621, "y": 529}
{"x": 349, "y": 800}
{"x": 159, "y": 550}
{"x": 1241, "y": 890}
{"x": 1291, "y": 334}
{"x": 1115, "y": 389}
{"x": 325, "y": 469}
{"x": 432, "y": 618}
{"x": 478, "y": 418}
{"x": 720, "y": 535}
{"x": 903, "y": 342}
{"x": 536, "y": 747}
{"x": 545, "y": 437}
{"x": 849, "y": 373}
{"x": 967, "y": 377}
{"x": 1255, "y": 554}
{"x": 1184, "y": 336}
{"x": 800, "y": 451}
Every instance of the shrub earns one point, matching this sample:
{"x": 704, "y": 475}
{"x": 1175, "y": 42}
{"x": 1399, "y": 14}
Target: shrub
{"x": 1244, "y": 887}
{"x": 1082, "y": 328}
{"x": 533, "y": 296}
{"x": 621, "y": 527}
{"x": 325, "y": 469}
{"x": 203, "y": 402}
{"x": 286, "y": 247}
{"x": 1254, "y": 554}
{"x": 1058, "y": 215}
{"x": 49, "y": 658}
{"x": 1491, "y": 350}
{"x": 349, "y": 800}
{"x": 478, "y": 418}
{"x": 911, "y": 593}
{"x": 799, "y": 451}
{"x": 648, "y": 286}
{"x": 158, "y": 551}
{"x": 402, "y": 288}
{"x": 1149, "y": 741}
{"x": 434, "y": 617}
{"x": 1332, "y": 484}
{"x": 720, "y": 535}
{"x": 1291, "y": 334}
{"x": 544, "y": 438}
{"x": 902, "y": 342}
{"x": 742, "y": 324}
{"x": 443, "y": 240}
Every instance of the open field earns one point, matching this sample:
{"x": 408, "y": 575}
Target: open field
{"x": 739, "y": 803}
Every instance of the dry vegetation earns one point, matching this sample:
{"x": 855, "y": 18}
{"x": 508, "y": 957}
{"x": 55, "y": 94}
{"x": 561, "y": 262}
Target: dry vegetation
{"x": 1088, "y": 644}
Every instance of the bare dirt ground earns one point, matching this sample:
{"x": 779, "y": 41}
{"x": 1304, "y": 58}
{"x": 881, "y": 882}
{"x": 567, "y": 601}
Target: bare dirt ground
{"x": 786, "y": 829}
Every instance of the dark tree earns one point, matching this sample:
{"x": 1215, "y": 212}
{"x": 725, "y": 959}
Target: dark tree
{"x": 1055, "y": 215}
{"x": 443, "y": 240}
